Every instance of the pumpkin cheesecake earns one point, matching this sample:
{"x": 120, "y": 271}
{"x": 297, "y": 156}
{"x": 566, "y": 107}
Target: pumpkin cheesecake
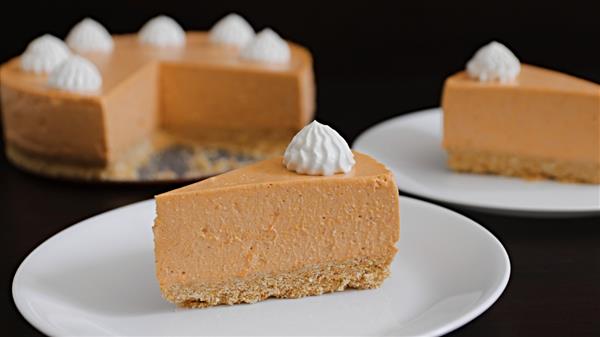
{"x": 507, "y": 118}
{"x": 88, "y": 106}
{"x": 320, "y": 219}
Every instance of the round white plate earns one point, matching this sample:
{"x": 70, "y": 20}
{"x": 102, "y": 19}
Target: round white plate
{"x": 410, "y": 145}
{"x": 97, "y": 278}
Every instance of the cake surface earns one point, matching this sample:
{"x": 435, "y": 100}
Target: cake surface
{"x": 263, "y": 231}
{"x": 203, "y": 92}
{"x": 545, "y": 124}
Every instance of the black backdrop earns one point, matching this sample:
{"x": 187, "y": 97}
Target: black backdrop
{"x": 373, "y": 60}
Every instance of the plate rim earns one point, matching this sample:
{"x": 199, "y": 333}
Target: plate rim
{"x": 474, "y": 205}
{"x": 486, "y": 304}
{"x": 19, "y": 301}
{"x": 471, "y": 314}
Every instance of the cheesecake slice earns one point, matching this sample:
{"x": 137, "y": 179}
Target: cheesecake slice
{"x": 264, "y": 231}
{"x": 540, "y": 124}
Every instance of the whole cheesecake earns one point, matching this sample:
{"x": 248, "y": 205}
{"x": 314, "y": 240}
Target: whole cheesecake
{"x": 202, "y": 92}
{"x": 505, "y": 118}
{"x": 320, "y": 219}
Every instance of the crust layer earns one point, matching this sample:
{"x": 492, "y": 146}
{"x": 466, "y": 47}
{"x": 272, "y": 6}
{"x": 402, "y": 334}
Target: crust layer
{"x": 363, "y": 273}
{"x": 523, "y": 167}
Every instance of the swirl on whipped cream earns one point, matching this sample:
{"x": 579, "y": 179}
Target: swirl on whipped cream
{"x": 76, "y": 74}
{"x": 44, "y": 54}
{"x": 318, "y": 150}
{"x": 267, "y": 47}
{"x": 162, "y": 31}
{"x": 90, "y": 36}
{"x": 232, "y": 30}
{"x": 494, "y": 62}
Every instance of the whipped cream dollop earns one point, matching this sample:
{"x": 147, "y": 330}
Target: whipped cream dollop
{"x": 43, "y": 54}
{"x": 76, "y": 74}
{"x": 267, "y": 47}
{"x": 162, "y": 31}
{"x": 494, "y": 62}
{"x": 318, "y": 150}
{"x": 90, "y": 36}
{"x": 232, "y": 30}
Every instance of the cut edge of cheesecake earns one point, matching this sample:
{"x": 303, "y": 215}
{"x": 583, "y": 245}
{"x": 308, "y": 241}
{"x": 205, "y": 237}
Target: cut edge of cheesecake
{"x": 538, "y": 82}
{"x": 314, "y": 277}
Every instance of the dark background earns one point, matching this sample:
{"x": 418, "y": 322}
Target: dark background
{"x": 373, "y": 60}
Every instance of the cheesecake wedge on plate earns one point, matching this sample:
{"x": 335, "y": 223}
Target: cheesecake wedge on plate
{"x": 507, "y": 118}
{"x": 319, "y": 219}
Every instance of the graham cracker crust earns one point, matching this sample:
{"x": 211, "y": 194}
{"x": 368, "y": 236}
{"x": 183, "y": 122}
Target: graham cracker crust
{"x": 162, "y": 157}
{"x": 523, "y": 167}
{"x": 363, "y": 273}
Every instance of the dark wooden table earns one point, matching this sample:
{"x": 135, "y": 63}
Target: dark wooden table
{"x": 554, "y": 289}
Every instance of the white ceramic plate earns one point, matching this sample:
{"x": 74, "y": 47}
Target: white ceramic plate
{"x": 97, "y": 278}
{"x": 410, "y": 145}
